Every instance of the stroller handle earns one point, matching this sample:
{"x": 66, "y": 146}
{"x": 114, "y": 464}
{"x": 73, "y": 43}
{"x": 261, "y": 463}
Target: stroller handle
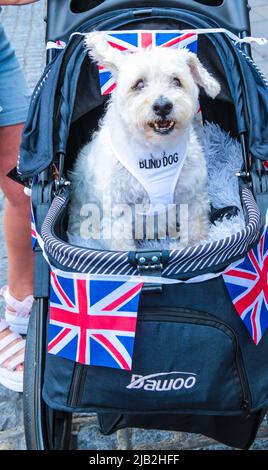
{"x": 65, "y": 17}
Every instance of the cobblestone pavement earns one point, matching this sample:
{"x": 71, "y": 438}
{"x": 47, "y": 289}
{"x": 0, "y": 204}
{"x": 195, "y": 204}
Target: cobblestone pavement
{"x": 26, "y": 29}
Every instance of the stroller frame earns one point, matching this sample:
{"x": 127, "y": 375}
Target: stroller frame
{"x": 46, "y": 428}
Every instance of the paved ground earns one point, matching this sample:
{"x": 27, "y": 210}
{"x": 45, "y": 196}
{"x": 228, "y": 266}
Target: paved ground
{"x": 259, "y": 25}
{"x": 26, "y": 29}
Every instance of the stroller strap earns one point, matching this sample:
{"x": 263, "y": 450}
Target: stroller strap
{"x": 230, "y": 34}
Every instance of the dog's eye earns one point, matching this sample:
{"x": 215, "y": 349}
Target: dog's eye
{"x": 176, "y": 82}
{"x": 138, "y": 85}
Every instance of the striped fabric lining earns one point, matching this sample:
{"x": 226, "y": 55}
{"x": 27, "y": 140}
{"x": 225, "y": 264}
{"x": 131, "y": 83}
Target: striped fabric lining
{"x": 185, "y": 260}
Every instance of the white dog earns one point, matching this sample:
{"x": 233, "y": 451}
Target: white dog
{"x": 146, "y": 153}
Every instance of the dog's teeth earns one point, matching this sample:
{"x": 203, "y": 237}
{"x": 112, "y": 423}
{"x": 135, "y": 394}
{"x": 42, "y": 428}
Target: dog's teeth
{"x": 162, "y": 126}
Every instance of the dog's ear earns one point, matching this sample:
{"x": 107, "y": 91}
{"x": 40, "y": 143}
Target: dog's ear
{"x": 101, "y": 52}
{"x": 202, "y": 77}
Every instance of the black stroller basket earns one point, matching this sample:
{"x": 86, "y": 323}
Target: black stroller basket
{"x": 209, "y": 377}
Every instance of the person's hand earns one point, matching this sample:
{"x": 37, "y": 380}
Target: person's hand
{"x": 16, "y": 2}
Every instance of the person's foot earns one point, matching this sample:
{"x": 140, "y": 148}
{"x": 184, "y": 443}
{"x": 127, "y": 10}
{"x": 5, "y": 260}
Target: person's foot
{"x": 12, "y": 349}
{"x": 17, "y": 311}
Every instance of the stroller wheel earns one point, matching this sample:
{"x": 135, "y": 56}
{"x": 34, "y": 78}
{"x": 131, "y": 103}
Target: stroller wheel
{"x": 45, "y": 428}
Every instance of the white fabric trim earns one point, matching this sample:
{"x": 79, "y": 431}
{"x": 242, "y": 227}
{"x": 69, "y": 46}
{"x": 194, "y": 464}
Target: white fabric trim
{"x": 55, "y": 45}
{"x": 234, "y": 37}
{"x": 136, "y": 279}
{"x": 27, "y": 191}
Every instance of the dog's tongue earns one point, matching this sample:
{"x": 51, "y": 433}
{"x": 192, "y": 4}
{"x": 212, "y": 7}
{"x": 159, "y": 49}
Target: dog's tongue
{"x": 164, "y": 123}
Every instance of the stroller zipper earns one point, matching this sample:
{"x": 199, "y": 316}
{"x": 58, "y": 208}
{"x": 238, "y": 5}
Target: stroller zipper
{"x": 76, "y": 387}
{"x": 206, "y": 319}
{"x": 167, "y": 315}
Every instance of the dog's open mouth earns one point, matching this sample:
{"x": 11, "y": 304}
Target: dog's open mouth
{"x": 162, "y": 127}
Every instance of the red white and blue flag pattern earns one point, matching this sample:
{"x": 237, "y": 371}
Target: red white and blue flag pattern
{"x": 33, "y": 229}
{"x": 247, "y": 284}
{"x": 93, "y": 321}
{"x": 131, "y": 41}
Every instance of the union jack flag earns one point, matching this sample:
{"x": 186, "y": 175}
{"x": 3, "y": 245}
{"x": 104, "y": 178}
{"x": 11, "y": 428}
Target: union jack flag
{"x": 131, "y": 41}
{"x": 247, "y": 284}
{"x": 33, "y": 229}
{"x": 93, "y": 321}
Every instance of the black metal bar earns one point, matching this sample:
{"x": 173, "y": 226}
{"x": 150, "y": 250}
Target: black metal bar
{"x": 245, "y": 155}
{"x": 40, "y": 410}
{"x": 245, "y": 46}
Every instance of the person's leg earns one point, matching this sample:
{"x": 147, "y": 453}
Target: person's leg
{"x": 14, "y": 102}
{"x": 17, "y": 227}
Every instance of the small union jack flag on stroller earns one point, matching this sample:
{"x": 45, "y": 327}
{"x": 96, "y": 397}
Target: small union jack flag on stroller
{"x": 247, "y": 284}
{"x": 131, "y": 41}
{"x": 93, "y": 322}
{"x": 33, "y": 229}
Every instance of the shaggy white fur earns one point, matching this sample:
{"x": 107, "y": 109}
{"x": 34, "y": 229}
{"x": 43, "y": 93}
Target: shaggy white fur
{"x": 149, "y": 115}
{"x": 224, "y": 159}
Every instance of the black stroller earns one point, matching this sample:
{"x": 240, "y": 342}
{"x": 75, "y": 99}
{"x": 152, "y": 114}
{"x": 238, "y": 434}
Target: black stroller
{"x": 188, "y": 326}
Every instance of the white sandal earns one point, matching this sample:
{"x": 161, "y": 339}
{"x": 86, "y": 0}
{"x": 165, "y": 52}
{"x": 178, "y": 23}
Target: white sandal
{"x": 17, "y": 312}
{"x": 9, "y": 376}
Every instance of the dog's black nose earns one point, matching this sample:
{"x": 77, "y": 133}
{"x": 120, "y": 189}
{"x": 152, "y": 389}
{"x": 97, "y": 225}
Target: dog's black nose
{"x": 162, "y": 106}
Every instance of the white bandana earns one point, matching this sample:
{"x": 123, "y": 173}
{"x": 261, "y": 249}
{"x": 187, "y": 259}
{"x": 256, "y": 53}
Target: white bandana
{"x": 157, "y": 169}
